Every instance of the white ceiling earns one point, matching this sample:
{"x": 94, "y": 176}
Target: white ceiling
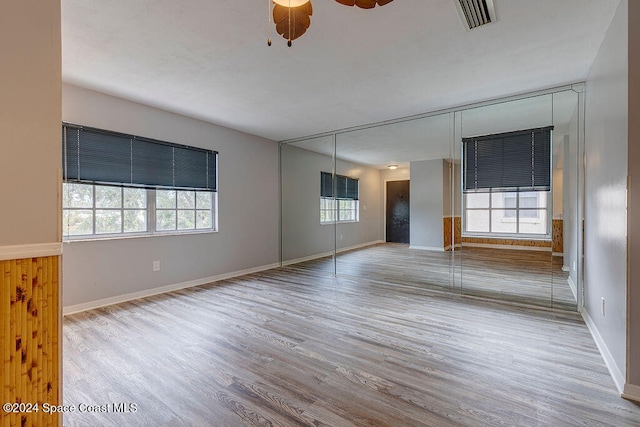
{"x": 208, "y": 59}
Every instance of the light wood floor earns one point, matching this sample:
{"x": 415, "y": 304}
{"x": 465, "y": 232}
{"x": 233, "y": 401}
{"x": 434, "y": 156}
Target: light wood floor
{"x": 294, "y": 347}
{"x": 524, "y": 277}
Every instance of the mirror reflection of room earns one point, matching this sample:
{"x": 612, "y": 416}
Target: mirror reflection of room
{"x": 480, "y": 201}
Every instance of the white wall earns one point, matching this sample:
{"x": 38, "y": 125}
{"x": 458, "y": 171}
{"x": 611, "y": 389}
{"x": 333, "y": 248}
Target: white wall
{"x": 606, "y": 136}
{"x": 30, "y": 112}
{"x": 247, "y": 197}
{"x": 302, "y": 234}
{"x": 426, "y": 205}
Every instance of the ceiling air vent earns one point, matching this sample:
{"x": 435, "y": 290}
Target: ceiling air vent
{"x": 475, "y": 13}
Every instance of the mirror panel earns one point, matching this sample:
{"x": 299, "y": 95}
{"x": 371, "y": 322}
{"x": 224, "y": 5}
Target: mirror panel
{"x": 566, "y": 198}
{"x": 401, "y": 235}
{"x": 344, "y": 211}
{"x": 507, "y": 236}
{"x": 308, "y": 231}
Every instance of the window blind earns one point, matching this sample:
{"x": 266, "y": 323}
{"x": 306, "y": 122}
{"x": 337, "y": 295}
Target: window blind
{"x": 92, "y": 155}
{"x": 346, "y": 188}
{"x": 512, "y": 161}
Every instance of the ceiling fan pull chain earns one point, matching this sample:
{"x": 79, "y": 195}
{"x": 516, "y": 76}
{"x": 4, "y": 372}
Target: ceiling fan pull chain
{"x": 269, "y": 22}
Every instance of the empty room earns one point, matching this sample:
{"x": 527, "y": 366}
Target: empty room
{"x": 327, "y": 213}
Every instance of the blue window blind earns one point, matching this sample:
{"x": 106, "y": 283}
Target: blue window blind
{"x": 512, "y": 161}
{"x": 346, "y": 188}
{"x": 92, "y": 155}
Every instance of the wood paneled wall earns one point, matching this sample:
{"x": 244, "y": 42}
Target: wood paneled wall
{"x": 558, "y": 236}
{"x": 508, "y": 242}
{"x": 29, "y": 337}
{"x": 457, "y": 223}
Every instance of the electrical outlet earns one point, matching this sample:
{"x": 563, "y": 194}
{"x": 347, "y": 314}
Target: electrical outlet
{"x": 156, "y": 265}
{"x": 574, "y": 266}
{"x": 602, "y": 305}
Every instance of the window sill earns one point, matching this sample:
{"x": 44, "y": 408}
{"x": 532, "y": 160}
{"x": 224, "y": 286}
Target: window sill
{"x": 103, "y": 237}
{"x": 338, "y": 222}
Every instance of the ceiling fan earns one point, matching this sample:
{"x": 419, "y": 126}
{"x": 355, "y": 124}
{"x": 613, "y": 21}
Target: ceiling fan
{"x": 293, "y": 17}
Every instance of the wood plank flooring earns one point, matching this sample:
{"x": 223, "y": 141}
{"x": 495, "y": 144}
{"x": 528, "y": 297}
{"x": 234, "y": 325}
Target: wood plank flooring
{"x": 294, "y": 347}
{"x": 525, "y": 277}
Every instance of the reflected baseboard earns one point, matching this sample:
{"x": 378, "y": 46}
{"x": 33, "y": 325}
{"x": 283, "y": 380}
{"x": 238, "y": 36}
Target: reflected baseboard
{"x": 428, "y": 248}
{"x": 329, "y": 253}
{"x": 572, "y": 285}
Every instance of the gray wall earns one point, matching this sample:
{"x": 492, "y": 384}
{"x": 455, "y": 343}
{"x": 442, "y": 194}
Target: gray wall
{"x": 426, "y": 229}
{"x": 633, "y": 290}
{"x": 451, "y": 180}
{"x": 606, "y": 135}
{"x": 30, "y": 112}
{"x": 302, "y": 234}
{"x": 571, "y": 223}
{"x": 247, "y": 216}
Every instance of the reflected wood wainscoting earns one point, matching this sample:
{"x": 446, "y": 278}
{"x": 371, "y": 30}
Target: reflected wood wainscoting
{"x": 29, "y": 336}
{"x": 457, "y": 223}
{"x": 291, "y": 347}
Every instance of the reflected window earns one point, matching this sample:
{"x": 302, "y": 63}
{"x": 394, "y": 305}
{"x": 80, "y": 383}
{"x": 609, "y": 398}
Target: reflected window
{"x": 345, "y": 207}
{"x": 523, "y": 213}
{"x": 507, "y": 183}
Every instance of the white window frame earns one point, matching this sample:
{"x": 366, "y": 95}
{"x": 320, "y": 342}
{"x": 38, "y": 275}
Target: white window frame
{"x": 517, "y": 220}
{"x": 150, "y": 210}
{"x": 340, "y": 216}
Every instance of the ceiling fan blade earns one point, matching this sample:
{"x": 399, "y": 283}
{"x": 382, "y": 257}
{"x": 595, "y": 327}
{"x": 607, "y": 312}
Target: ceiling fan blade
{"x": 364, "y": 4}
{"x": 300, "y": 20}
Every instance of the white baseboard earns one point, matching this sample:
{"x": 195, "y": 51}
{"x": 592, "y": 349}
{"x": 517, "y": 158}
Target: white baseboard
{"x": 30, "y": 251}
{"x": 513, "y": 247}
{"x": 614, "y": 371}
{"x": 565, "y": 268}
{"x": 631, "y": 392}
{"x": 573, "y": 287}
{"x": 428, "y": 248}
{"x": 326, "y": 254}
{"x": 557, "y": 254}
{"x": 161, "y": 290}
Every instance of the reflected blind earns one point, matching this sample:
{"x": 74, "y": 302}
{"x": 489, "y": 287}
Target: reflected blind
{"x": 346, "y": 188}
{"x": 512, "y": 161}
{"x": 92, "y": 155}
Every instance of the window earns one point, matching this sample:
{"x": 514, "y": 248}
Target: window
{"x": 507, "y": 213}
{"x": 345, "y": 206}
{"x": 507, "y": 183}
{"x": 117, "y": 184}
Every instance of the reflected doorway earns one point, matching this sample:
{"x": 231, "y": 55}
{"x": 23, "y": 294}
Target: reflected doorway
{"x": 397, "y": 213}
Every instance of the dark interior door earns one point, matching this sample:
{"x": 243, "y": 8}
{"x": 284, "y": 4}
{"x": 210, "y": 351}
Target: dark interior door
{"x": 398, "y": 211}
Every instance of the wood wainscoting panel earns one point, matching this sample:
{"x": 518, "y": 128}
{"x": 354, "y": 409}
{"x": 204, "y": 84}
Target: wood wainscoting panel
{"x": 507, "y": 242}
{"x": 457, "y": 223}
{"x": 558, "y": 236}
{"x": 29, "y": 336}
